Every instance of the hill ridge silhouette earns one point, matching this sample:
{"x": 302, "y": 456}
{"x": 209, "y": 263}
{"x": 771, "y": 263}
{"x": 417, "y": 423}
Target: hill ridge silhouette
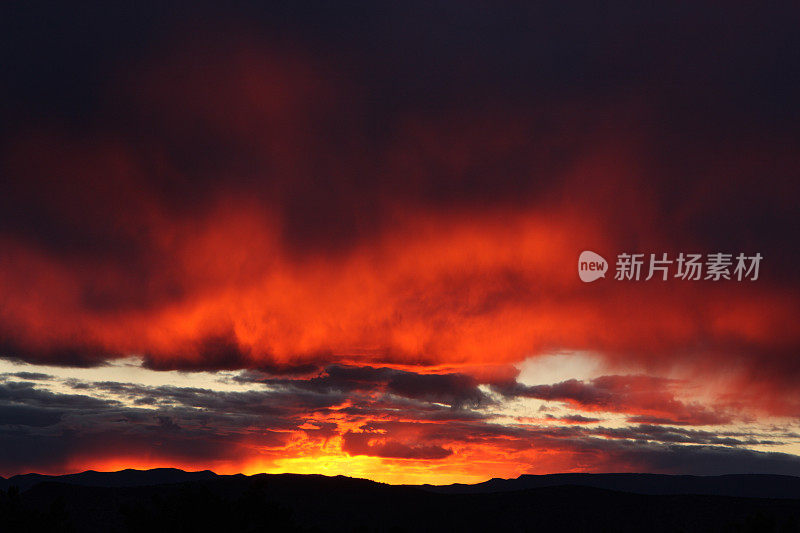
{"x": 128, "y": 500}
{"x": 737, "y": 485}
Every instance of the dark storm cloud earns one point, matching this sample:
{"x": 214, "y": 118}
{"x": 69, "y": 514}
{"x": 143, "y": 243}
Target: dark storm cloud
{"x": 27, "y": 376}
{"x": 78, "y": 354}
{"x": 722, "y": 87}
{"x": 665, "y": 434}
{"x": 220, "y": 352}
{"x": 455, "y": 390}
{"x": 648, "y": 399}
{"x": 335, "y": 378}
{"x": 43, "y": 428}
{"x": 26, "y": 393}
{"x": 706, "y": 460}
{"x": 573, "y": 419}
{"x": 24, "y": 415}
{"x": 371, "y": 392}
{"x": 249, "y": 402}
{"x": 375, "y": 408}
{"x": 699, "y": 417}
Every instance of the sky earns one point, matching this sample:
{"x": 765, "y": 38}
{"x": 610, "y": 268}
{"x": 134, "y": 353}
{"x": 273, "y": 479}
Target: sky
{"x": 344, "y": 239}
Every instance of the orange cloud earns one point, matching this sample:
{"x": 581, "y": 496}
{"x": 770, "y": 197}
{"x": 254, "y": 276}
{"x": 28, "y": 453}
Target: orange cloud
{"x": 247, "y": 206}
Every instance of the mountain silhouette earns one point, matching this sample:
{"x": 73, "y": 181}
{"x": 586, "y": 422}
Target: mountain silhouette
{"x": 122, "y": 478}
{"x": 174, "y": 500}
{"x": 741, "y": 485}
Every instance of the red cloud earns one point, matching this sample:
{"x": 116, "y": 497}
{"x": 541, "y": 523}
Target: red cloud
{"x": 261, "y": 223}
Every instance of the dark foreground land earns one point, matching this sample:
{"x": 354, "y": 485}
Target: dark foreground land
{"x": 176, "y": 501}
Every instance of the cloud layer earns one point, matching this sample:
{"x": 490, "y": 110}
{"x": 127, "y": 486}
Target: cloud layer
{"x": 381, "y": 209}
{"x": 378, "y": 422}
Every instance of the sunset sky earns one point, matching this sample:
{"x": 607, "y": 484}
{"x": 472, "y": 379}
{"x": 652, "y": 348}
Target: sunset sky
{"x": 315, "y": 238}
